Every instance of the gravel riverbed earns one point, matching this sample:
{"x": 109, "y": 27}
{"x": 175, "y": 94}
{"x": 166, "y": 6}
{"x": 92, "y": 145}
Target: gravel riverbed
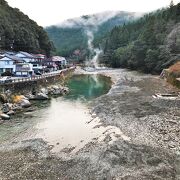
{"x": 146, "y": 146}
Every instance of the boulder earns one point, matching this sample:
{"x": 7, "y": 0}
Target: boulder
{"x": 17, "y": 107}
{"x": 44, "y": 91}
{"x": 55, "y": 87}
{"x": 3, "y": 98}
{"x": 5, "y": 116}
{"x": 30, "y": 96}
{"x": 21, "y": 101}
{"x": 7, "y": 107}
{"x": 41, "y": 96}
{"x": 66, "y": 90}
{"x": 56, "y": 92}
{"x": 11, "y": 112}
{"x": 24, "y": 103}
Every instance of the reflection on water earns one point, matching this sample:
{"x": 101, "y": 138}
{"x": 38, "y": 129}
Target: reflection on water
{"x": 65, "y": 121}
{"x": 88, "y": 86}
{"x": 66, "y": 124}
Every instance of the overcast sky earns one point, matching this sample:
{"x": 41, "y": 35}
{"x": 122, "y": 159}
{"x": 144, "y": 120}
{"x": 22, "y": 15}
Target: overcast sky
{"x": 50, "y": 12}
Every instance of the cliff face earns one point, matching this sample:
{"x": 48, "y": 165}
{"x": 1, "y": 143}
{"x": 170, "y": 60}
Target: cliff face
{"x": 18, "y": 32}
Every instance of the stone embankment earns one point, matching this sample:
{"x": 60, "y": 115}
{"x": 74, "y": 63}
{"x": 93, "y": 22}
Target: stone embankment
{"x": 17, "y": 95}
{"x": 12, "y": 104}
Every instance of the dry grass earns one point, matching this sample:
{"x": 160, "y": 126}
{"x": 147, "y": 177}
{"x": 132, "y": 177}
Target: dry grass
{"x": 175, "y": 68}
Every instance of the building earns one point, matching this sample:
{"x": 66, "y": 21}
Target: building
{"x": 39, "y": 57}
{"x": 38, "y": 63}
{"x": 23, "y": 69}
{"x": 50, "y": 65}
{"x": 8, "y": 62}
{"x": 61, "y": 62}
{"x": 37, "y": 67}
{"x": 26, "y": 56}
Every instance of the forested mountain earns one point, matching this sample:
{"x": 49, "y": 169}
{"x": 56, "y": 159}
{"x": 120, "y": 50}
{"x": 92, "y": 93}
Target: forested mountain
{"x": 72, "y": 34}
{"x": 18, "y": 32}
{"x": 148, "y": 44}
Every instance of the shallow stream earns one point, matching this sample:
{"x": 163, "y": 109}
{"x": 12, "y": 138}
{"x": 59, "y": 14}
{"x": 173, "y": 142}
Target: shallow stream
{"x": 64, "y": 122}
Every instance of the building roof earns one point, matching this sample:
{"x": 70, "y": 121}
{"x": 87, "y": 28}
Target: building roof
{"x": 26, "y": 54}
{"x": 14, "y": 58}
{"x": 10, "y": 53}
{"x": 39, "y": 55}
{"x": 58, "y": 58}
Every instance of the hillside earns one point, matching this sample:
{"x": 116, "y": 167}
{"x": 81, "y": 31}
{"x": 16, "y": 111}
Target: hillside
{"x": 149, "y": 44}
{"x": 18, "y": 32}
{"x": 72, "y": 34}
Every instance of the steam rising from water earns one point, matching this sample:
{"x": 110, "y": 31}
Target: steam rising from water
{"x": 94, "y": 52}
{"x": 90, "y": 24}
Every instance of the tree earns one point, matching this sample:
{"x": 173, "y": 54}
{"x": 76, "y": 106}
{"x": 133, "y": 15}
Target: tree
{"x": 171, "y": 4}
{"x": 20, "y": 33}
{"x": 151, "y": 59}
{"x": 149, "y": 44}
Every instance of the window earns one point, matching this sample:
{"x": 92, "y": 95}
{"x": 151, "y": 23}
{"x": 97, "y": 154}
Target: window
{"x": 18, "y": 73}
{"x": 7, "y": 62}
{"x": 24, "y": 73}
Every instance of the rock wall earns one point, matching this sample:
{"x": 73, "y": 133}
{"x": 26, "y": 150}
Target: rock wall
{"x": 34, "y": 85}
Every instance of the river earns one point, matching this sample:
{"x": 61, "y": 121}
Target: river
{"x": 97, "y": 132}
{"x": 63, "y": 122}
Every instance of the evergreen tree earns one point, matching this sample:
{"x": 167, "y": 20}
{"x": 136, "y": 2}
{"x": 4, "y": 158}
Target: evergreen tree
{"x": 19, "y": 33}
{"x": 148, "y": 44}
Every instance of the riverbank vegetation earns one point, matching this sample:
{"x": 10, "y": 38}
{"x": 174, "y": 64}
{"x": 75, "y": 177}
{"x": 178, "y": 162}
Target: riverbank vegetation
{"x": 150, "y": 44}
{"x": 19, "y": 33}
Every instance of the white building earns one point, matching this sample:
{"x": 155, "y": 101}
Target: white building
{"x": 23, "y": 69}
{"x": 7, "y": 63}
{"x": 59, "y": 61}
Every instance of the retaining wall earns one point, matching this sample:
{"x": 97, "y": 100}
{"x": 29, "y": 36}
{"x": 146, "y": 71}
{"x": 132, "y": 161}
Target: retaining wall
{"x": 35, "y": 83}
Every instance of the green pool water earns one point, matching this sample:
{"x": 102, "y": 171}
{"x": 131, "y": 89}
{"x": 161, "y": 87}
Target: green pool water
{"x": 87, "y": 87}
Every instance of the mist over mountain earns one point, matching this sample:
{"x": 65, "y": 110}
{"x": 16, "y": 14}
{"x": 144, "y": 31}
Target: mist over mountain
{"x": 74, "y": 34}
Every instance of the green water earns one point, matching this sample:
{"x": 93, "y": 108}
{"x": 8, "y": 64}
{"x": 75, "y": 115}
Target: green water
{"x": 87, "y": 87}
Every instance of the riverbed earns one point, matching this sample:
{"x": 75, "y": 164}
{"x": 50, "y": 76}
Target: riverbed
{"x": 121, "y": 133}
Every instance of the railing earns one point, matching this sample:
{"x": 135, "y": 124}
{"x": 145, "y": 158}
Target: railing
{"x": 43, "y": 76}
